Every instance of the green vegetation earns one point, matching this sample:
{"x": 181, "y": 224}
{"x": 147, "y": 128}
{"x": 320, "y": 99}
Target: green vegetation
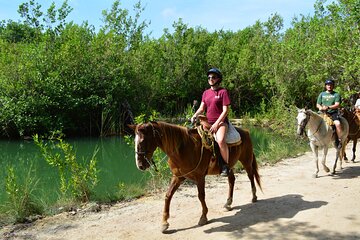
{"x": 56, "y": 75}
{"x": 79, "y": 179}
{"x": 22, "y": 201}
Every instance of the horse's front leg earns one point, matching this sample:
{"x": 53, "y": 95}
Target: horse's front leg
{"x": 231, "y": 181}
{"x": 316, "y": 158}
{"x": 174, "y": 185}
{"x": 323, "y": 161}
{"x": 201, "y": 195}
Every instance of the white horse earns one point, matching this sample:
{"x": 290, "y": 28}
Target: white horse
{"x": 321, "y": 135}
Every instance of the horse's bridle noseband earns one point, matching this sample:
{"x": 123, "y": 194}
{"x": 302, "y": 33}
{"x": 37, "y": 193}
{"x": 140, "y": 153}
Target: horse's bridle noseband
{"x": 150, "y": 161}
{"x": 303, "y": 124}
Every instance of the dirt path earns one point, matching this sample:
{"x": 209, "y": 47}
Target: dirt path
{"x": 293, "y": 206}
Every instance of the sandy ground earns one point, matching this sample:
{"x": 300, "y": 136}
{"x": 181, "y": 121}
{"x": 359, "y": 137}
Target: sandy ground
{"x": 293, "y": 205}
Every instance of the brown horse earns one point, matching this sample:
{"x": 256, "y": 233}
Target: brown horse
{"x": 354, "y": 130}
{"x": 188, "y": 159}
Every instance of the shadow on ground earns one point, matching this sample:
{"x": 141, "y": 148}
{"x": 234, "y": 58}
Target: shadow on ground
{"x": 270, "y": 210}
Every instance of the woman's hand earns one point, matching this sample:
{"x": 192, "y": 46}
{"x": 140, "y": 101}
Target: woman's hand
{"x": 214, "y": 127}
{"x": 193, "y": 119}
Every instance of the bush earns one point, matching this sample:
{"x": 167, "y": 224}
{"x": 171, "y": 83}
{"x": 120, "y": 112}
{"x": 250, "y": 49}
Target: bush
{"x": 79, "y": 179}
{"x": 22, "y": 202}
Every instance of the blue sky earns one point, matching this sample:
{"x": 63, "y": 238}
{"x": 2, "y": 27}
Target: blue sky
{"x": 212, "y": 15}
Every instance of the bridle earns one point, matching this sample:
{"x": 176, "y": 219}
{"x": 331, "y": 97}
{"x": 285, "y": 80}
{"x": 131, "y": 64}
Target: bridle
{"x": 305, "y": 122}
{"x": 150, "y": 161}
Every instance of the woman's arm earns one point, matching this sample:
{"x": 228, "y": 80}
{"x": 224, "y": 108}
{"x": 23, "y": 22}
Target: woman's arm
{"x": 220, "y": 120}
{"x": 200, "y": 110}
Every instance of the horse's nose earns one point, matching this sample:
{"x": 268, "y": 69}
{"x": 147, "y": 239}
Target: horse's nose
{"x": 141, "y": 167}
{"x": 300, "y": 132}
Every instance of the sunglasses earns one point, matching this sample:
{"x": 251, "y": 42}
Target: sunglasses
{"x": 212, "y": 77}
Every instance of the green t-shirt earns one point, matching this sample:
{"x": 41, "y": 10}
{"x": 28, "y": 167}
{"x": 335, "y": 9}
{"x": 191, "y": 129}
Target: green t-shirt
{"x": 328, "y": 99}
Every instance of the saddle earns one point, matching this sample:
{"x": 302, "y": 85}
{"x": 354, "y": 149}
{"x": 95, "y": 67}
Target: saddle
{"x": 233, "y": 137}
{"x": 209, "y": 142}
{"x": 327, "y": 119}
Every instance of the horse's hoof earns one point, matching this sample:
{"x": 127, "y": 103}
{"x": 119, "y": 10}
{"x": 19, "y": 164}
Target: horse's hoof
{"x": 228, "y": 207}
{"x": 326, "y": 169}
{"x": 164, "y": 227}
{"x": 228, "y": 203}
{"x": 315, "y": 175}
{"x": 203, "y": 221}
{"x": 254, "y": 199}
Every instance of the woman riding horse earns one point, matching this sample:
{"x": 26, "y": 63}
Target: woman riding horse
{"x": 188, "y": 159}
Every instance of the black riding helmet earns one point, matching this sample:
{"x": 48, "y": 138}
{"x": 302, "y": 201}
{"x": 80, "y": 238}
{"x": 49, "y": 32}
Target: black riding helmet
{"x": 329, "y": 81}
{"x": 217, "y": 72}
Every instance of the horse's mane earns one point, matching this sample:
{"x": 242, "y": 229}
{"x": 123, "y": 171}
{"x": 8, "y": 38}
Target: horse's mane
{"x": 313, "y": 113}
{"x": 173, "y": 135}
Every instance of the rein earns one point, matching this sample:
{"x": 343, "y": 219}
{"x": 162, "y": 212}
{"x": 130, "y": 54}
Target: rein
{"x": 306, "y": 122}
{"x": 318, "y": 128}
{"x": 205, "y": 138}
{"x": 201, "y": 156}
{"x": 151, "y": 162}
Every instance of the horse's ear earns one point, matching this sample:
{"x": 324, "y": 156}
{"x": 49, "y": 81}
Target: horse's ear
{"x": 132, "y": 128}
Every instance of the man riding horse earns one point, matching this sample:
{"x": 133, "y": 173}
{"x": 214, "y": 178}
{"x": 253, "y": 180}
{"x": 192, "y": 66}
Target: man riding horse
{"x": 328, "y": 102}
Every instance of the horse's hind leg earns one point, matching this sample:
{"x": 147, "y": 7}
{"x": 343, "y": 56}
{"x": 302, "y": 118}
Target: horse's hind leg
{"x": 336, "y": 159}
{"x": 201, "y": 195}
{"x": 253, "y": 187}
{"x": 354, "y": 149}
{"x": 231, "y": 180}
{"x": 344, "y": 156}
{"x": 250, "y": 173}
{"x": 174, "y": 185}
{"x": 339, "y": 156}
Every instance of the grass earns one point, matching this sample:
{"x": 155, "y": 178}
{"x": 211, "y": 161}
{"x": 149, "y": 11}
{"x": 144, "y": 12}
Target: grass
{"x": 22, "y": 201}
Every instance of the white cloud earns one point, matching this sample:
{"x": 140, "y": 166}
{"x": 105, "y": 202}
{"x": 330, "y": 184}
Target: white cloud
{"x": 169, "y": 13}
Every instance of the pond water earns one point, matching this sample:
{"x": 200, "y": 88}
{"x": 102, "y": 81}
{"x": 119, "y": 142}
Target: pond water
{"x": 116, "y": 163}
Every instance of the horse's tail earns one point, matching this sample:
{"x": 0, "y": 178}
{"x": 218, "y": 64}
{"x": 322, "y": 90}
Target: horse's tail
{"x": 256, "y": 172}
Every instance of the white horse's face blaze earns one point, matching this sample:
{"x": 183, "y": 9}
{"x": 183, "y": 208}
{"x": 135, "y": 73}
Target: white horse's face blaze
{"x": 137, "y": 150}
{"x": 301, "y": 121}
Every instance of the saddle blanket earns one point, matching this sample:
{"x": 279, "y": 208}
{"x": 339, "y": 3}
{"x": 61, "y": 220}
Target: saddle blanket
{"x": 232, "y": 135}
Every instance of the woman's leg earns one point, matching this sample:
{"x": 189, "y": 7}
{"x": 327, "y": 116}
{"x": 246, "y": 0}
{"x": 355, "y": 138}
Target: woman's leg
{"x": 224, "y": 150}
